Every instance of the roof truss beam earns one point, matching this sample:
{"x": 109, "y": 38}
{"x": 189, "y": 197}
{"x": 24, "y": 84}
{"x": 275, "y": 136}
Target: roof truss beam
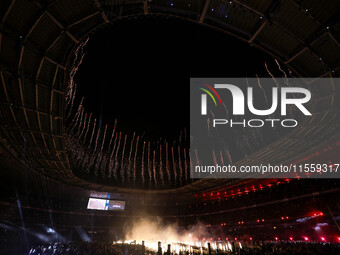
{"x": 258, "y": 31}
{"x": 204, "y": 11}
{"x": 104, "y": 16}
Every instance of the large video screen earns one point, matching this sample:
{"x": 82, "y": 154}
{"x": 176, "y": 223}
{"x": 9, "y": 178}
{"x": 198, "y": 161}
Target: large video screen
{"x": 96, "y": 204}
{"x": 116, "y": 205}
{"x": 105, "y": 204}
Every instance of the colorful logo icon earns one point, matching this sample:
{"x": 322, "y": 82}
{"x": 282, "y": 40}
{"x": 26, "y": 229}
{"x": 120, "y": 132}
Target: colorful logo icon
{"x": 204, "y": 97}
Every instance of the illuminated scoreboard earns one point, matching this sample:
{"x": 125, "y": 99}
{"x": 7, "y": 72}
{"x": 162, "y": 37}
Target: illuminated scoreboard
{"x": 105, "y": 204}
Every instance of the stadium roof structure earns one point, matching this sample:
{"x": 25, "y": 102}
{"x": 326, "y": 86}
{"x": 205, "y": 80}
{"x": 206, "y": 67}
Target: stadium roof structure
{"x": 38, "y": 37}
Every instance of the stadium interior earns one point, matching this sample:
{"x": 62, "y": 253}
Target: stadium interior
{"x": 94, "y": 127}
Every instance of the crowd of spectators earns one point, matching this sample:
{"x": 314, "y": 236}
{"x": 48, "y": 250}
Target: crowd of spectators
{"x": 83, "y": 248}
{"x": 260, "y": 248}
{"x": 292, "y": 248}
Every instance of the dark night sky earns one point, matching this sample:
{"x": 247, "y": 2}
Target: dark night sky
{"x": 138, "y": 71}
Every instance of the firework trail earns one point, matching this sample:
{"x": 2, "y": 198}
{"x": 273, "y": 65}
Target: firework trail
{"x": 149, "y": 167}
{"x": 76, "y": 62}
{"x": 72, "y": 87}
{"x": 103, "y": 141}
{"x": 76, "y": 116}
{"x": 229, "y": 157}
{"x": 167, "y": 163}
{"x": 83, "y": 162}
{"x": 92, "y": 160}
{"x": 81, "y": 121}
{"x": 73, "y": 71}
{"x": 114, "y": 146}
{"x": 247, "y": 82}
{"x": 264, "y": 92}
{"x": 97, "y": 138}
{"x": 70, "y": 94}
{"x": 83, "y": 129}
{"x": 93, "y": 130}
{"x": 221, "y": 158}
{"x": 180, "y": 165}
{"x": 129, "y": 162}
{"x": 89, "y": 158}
{"x": 208, "y": 122}
{"x": 277, "y": 85}
{"x": 134, "y": 162}
{"x": 72, "y": 101}
{"x": 102, "y": 166}
{"x": 100, "y": 158}
{"x": 214, "y": 158}
{"x": 87, "y": 129}
{"x": 116, "y": 154}
{"x": 79, "y": 124}
{"x": 112, "y": 135}
{"x": 290, "y": 110}
{"x": 226, "y": 110}
{"x": 154, "y": 167}
{"x": 107, "y": 156}
{"x": 111, "y": 160}
{"x": 254, "y": 133}
{"x": 142, "y": 171}
{"x": 185, "y": 165}
{"x": 80, "y": 155}
{"x": 174, "y": 165}
{"x": 284, "y": 73}
{"x": 122, "y": 173}
{"x": 161, "y": 165}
